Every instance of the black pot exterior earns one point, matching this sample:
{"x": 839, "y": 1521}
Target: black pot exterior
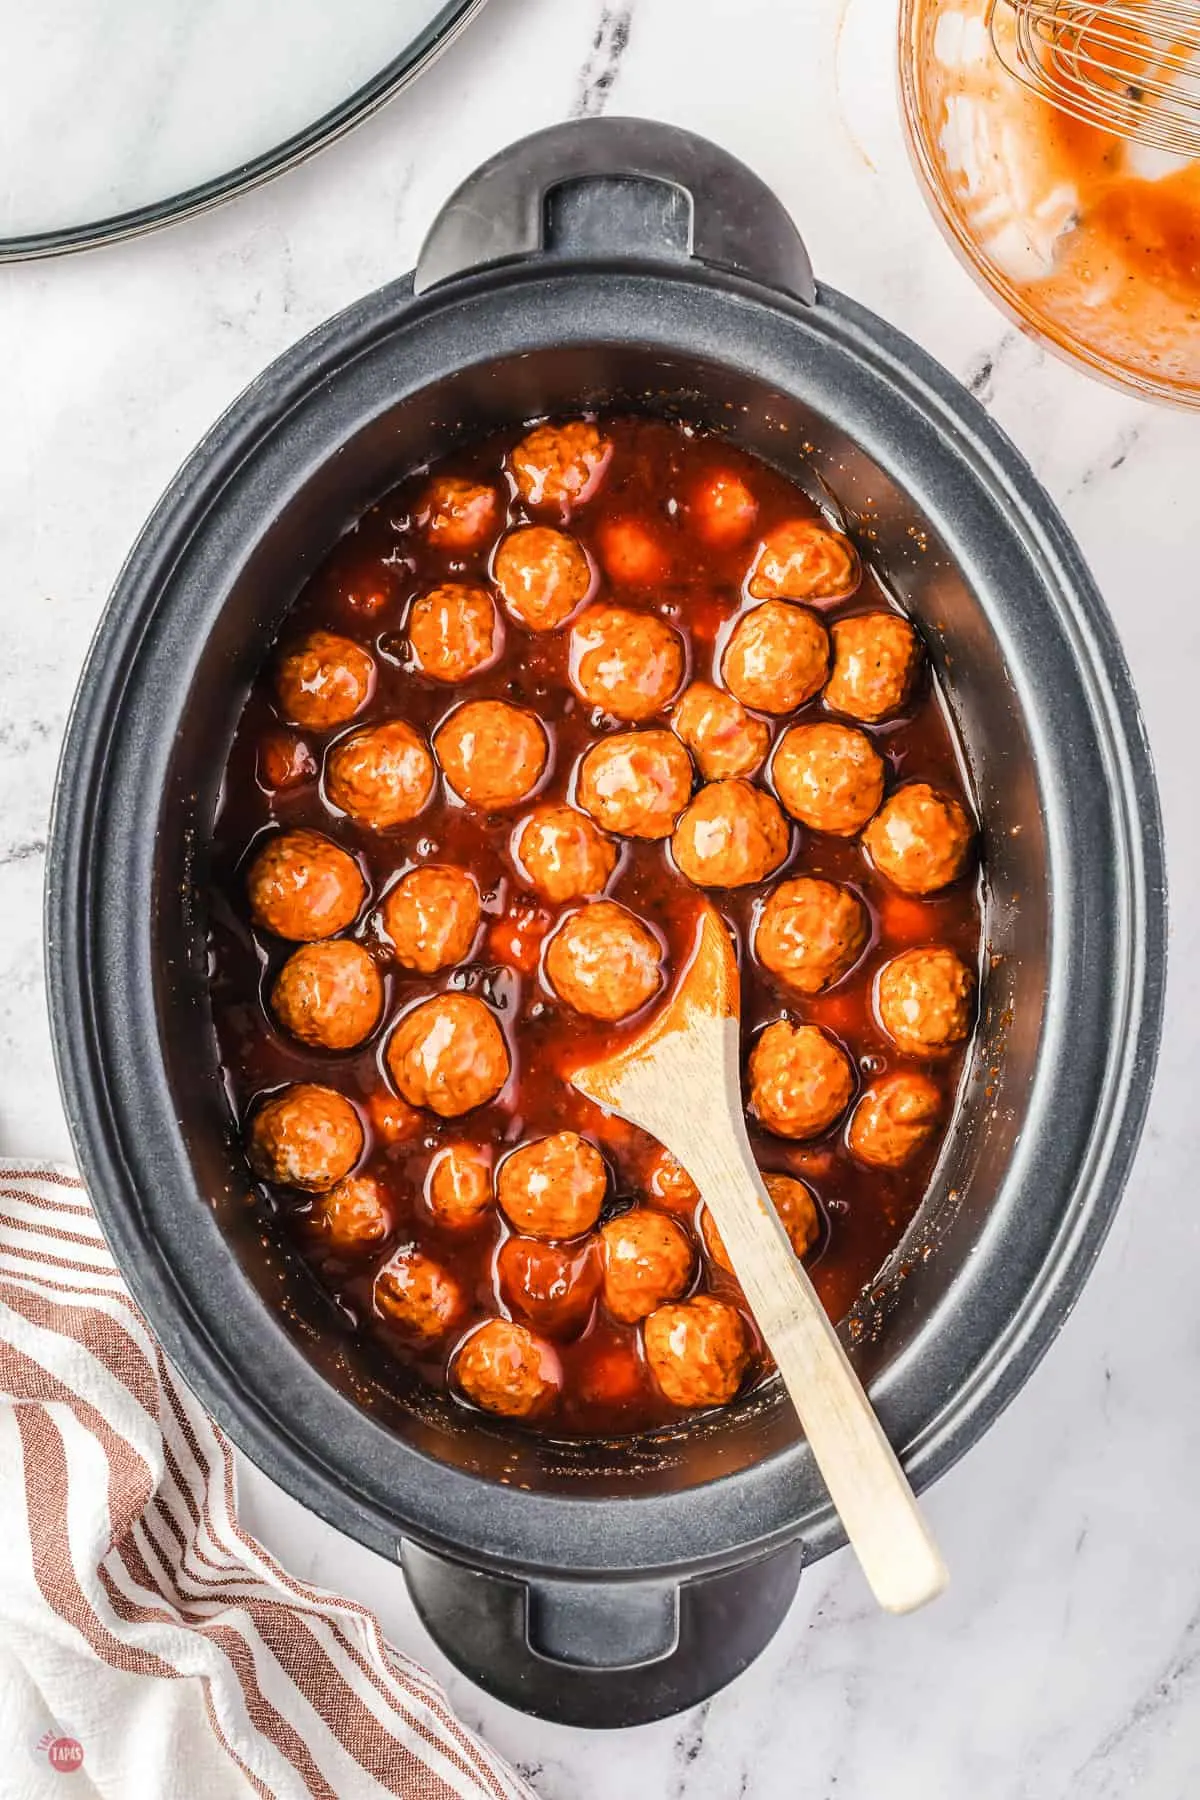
{"x": 516, "y": 1551}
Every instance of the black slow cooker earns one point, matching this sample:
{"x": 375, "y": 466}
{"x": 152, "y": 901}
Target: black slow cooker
{"x": 614, "y": 263}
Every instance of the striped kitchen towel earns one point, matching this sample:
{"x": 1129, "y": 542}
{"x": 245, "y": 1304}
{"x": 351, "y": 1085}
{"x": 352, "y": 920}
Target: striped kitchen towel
{"x": 148, "y": 1646}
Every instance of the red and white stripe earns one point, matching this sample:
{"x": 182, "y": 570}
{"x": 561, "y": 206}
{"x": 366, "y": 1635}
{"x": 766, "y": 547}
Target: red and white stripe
{"x": 135, "y": 1613}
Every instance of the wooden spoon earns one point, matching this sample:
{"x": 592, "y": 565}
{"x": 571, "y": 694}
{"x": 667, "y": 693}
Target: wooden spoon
{"x": 680, "y": 1080}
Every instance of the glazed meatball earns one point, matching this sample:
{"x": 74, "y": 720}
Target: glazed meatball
{"x": 830, "y": 777}
{"x": 798, "y": 1215}
{"x": 925, "y": 1000}
{"x": 553, "y": 1187}
{"x": 720, "y": 733}
{"x": 324, "y": 681}
{"x": 636, "y": 783}
{"x": 723, "y": 509}
{"x": 562, "y": 854}
{"x": 305, "y": 1137}
{"x": 804, "y": 560}
{"x": 919, "y": 839}
{"x": 731, "y": 835}
{"x": 542, "y": 575}
{"x": 303, "y": 887}
{"x": 628, "y": 663}
{"x": 800, "y": 1080}
{"x": 418, "y": 1297}
{"x": 777, "y": 657}
{"x": 380, "y": 776}
{"x": 697, "y": 1350}
{"x": 647, "y": 1259}
{"x": 603, "y": 962}
{"x": 504, "y": 1368}
{"x": 454, "y": 631}
{"x": 458, "y": 1185}
{"x": 449, "y": 1055}
{"x": 671, "y": 1186}
{"x": 560, "y": 465}
{"x": 493, "y": 754}
{"x": 458, "y": 514}
{"x": 353, "y": 1216}
{"x": 875, "y": 657}
{"x": 328, "y": 994}
{"x": 552, "y": 1286}
{"x": 632, "y": 555}
{"x": 431, "y": 916}
{"x": 895, "y": 1116}
{"x": 810, "y": 933}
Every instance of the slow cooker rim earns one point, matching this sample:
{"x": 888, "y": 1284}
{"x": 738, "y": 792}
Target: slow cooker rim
{"x": 191, "y": 495}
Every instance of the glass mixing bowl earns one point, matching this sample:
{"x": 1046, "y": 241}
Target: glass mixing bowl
{"x": 1090, "y": 243}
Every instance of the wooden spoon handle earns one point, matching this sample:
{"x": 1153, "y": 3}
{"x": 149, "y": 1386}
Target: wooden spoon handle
{"x": 865, "y": 1480}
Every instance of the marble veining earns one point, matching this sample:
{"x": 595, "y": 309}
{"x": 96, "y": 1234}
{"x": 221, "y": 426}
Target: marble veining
{"x": 1064, "y": 1663}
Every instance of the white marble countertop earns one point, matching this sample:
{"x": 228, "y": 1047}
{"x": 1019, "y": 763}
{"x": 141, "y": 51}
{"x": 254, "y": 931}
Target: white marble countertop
{"x": 1065, "y": 1661}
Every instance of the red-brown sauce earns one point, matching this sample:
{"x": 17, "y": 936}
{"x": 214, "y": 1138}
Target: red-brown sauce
{"x": 362, "y": 592}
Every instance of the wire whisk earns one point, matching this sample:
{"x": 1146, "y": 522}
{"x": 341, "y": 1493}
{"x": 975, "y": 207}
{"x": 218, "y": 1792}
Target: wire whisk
{"x": 1132, "y": 69}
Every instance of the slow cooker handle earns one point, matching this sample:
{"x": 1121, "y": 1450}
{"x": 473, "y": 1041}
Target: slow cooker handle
{"x": 614, "y": 1651}
{"x": 498, "y": 215}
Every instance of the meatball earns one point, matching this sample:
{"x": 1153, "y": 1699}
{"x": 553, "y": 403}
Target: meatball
{"x": 542, "y": 575}
{"x": 810, "y": 932}
{"x": 723, "y": 509}
{"x": 303, "y": 887}
{"x": 328, "y": 994}
{"x": 504, "y": 1368}
{"x": 560, "y": 465}
{"x": 800, "y": 1080}
{"x": 324, "y": 681}
{"x": 830, "y": 777}
{"x": 562, "y": 854}
{"x": 553, "y": 1187}
{"x": 731, "y": 835}
{"x": 551, "y": 1285}
{"x": 648, "y": 1259}
{"x": 697, "y": 1350}
{"x": 603, "y": 962}
{"x": 720, "y": 733}
{"x": 458, "y": 1185}
{"x": 448, "y": 1054}
{"x": 777, "y": 657}
{"x": 305, "y": 1137}
{"x": 459, "y": 514}
{"x": 431, "y": 916}
{"x": 798, "y": 1215}
{"x": 353, "y": 1216}
{"x": 632, "y": 555}
{"x": 418, "y": 1297}
{"x": 454, "y": 631}
{"x": 875, "y": 657}
{"x": 925, "y": 1000}
{"x": 636, "y": 783}
{"x": 919, "y": 839}
{"x": 895, "y": 1116}
{"x": 671, "y": 1186}
{"x": 493, "y": 754}
{"x": 804, "y": 560}
{"x": 380, "y": 776}
{"x": 628, "y": 663}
